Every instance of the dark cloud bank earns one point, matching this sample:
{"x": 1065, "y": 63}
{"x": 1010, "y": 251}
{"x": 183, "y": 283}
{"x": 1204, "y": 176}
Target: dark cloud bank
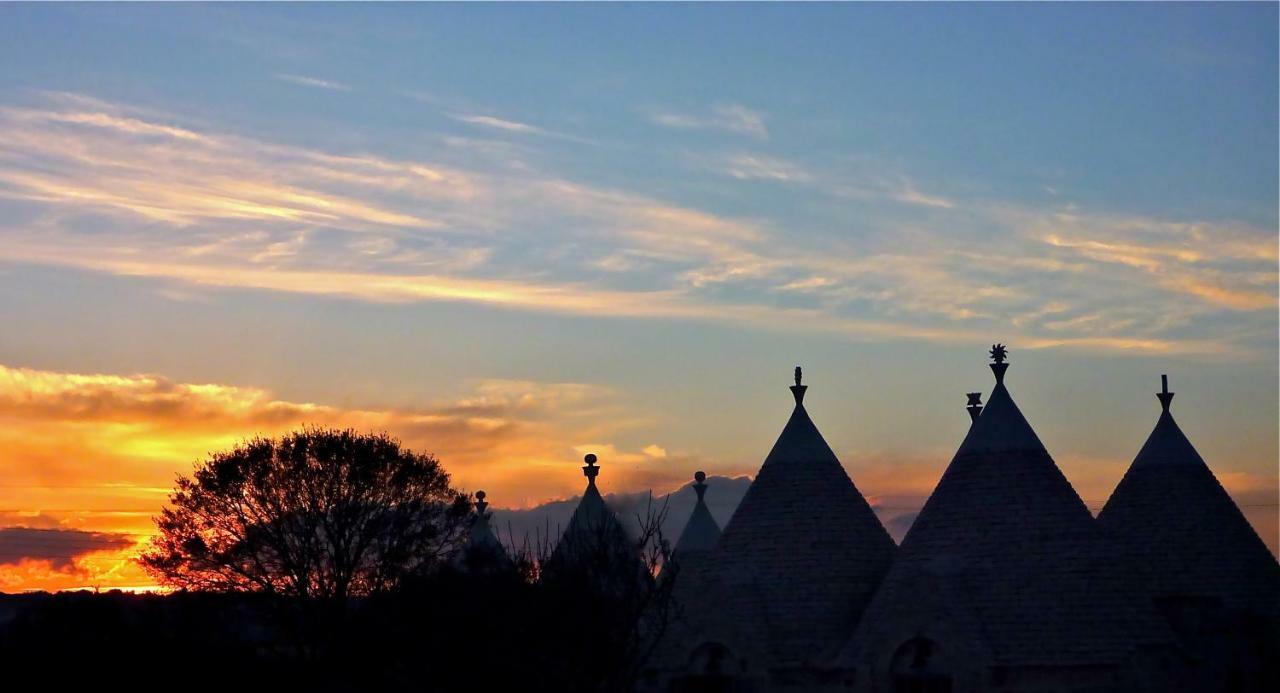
{"x": 60, "y": 547}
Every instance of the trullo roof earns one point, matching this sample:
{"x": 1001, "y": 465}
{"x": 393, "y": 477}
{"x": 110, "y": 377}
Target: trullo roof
{"x": 1181, "y": 530}
{"x": 1005, "y": 560}
{"x": 801, "y": 556}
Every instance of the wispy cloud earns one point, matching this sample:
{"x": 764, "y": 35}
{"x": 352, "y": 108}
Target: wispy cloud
{"x": 113, "y": 162}
{"x": 734, "y": 118}
{"x": 498, "y": 123}
{"x": 910, "y": 195}
{"x": 513, "y": 126}
{"x": 314, "y": 82}
{"x": 754, "y": 167}
{"x": 871, "y": 188}
{"x": 488, "y": 227}
{"x": 1226, "y": 265}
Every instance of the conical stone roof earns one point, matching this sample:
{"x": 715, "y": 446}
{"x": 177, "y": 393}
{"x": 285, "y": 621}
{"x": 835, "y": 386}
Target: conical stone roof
{"x": 799, "y": 559}
{"x": 701, "y": 532}
{"x": 595, "y": 546}
{"x": 483, "y": 552}
{"x": 1005, "y": 565}
{"x": 1182, "y": 532}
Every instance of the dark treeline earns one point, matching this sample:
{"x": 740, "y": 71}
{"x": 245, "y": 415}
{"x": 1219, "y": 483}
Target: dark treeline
{"x": 446, "y": 632}
{"x": 334, "y": 560}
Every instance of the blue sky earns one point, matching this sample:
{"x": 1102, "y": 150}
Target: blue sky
{"x": 618, "y": 227}
{"x": 1137, "y": 108}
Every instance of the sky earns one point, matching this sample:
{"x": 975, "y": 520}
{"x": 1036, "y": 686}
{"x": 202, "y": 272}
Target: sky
{"x": 511, "y": 235}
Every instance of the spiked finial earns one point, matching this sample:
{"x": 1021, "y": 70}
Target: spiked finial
{"x": 1164, "y": 395}
{"x": 699, "y": 484}
{"x": 591, "y": 470}
{"x": 480, "y": 502}
{"x": 975, "y": 405}
{"x": 998, "y": 365}
{"x": 798, "y": 390}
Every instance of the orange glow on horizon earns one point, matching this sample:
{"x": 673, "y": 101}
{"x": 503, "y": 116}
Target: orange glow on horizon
{"x": 96, "y": 456}
{"x": 97, "y": 453}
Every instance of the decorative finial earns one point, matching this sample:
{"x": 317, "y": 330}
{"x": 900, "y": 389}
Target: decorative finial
{"x": 998, "y": 365}
{"x": 799, "y": 375}
{"x": 1164, "y": 395}
{"x": 699, "y": 484}
{"x": 591, "y": 470}
{"x": 480, "y": 503}
{"x": 798, "y": 389}
{"x": 975, "y": 405}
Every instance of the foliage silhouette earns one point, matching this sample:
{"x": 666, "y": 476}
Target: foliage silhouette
{"x": 317, "y": 514}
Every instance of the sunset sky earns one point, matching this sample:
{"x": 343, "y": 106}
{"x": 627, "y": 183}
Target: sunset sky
{"x": 510, "y": 235}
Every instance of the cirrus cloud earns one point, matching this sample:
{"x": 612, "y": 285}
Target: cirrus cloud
{"x": 131, "y": 192}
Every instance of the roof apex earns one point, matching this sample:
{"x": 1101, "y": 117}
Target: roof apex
{"x": 593, "y": 531}
{"x": 483, "y": 550}
{"x": 701, "y": 532}
{"x": 1000, "y": 428}
{"x": 1167, "y": 446}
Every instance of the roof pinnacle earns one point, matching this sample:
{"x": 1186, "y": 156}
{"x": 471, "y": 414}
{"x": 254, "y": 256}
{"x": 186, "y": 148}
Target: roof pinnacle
{"x": 1164, "y": 395}
{"x": 798, "y": 390}
{"x": 699, "y": 484}
{"x": 480, "y": 502}
{"x": 975, "y": 405}
{"x": 998, "y": 366}
{"x": 591, "y": 470}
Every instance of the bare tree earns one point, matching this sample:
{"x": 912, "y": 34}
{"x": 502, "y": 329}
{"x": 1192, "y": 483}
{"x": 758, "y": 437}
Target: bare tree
{"x": 319, "y": 513}
{"x": 610, "y": 592}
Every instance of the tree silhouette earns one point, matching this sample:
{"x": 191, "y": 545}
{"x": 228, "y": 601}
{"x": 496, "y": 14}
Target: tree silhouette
{"x": 319, "y": 513}
{"x": 601, "y": 594}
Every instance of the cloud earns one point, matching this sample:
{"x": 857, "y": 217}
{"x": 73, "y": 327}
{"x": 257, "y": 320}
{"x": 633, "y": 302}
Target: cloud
{"x": 145, "y": 418}
{"x": 910, "y": 195}
{"x": 91, "y": 457}
{"x": 513, "y": 126}
{"x": 57, "y": 558}
{"x": 498, "y": 123}
{"x": 313, "y": 82}
{"x": 59, "y": 547}
{"x": 752, "y": 167}
{"x": 134, "y": 193}
{"x": 164, "y": 173}
{"x": 733, "y": 118}
{"x": 1224, "y": 265}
